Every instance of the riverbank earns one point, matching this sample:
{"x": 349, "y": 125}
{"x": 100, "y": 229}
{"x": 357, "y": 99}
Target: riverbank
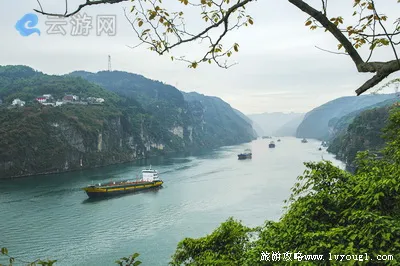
{"x": 201, "y": 190}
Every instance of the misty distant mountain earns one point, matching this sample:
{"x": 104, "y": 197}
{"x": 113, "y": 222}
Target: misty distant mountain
{"x": 277, "y": 123}
{"x": 316, "y": 122}
{"x": 290, "y": 128}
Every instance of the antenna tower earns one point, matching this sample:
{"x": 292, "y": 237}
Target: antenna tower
{"x": 109, "y": 63}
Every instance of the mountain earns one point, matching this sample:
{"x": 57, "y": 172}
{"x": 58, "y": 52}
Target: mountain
{"x": 316, "y": 122}
{"x": 363, "y": 133}
{"x": 275, "y": 123}
{"x": 208, "y": 121}
{"x": 290, "y": 128}
{"x": 127, "y": 118}
{"x": 221, "y": 120}
{"x": 337, "y": 126}
{"x": 248, "y": 120}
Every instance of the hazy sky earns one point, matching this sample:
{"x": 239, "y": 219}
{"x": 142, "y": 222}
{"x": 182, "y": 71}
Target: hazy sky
{"x": 279, "y": 68}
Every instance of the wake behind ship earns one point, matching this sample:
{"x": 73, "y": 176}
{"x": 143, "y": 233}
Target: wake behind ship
{"x": 149, "y": 180}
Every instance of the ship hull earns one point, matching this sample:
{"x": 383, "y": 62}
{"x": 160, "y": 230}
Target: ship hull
{"x": 244, "y": 156}
{"x": 109, "y": 191}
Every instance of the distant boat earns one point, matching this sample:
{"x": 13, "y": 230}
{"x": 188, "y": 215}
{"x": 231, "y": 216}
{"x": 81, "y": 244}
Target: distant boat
{"x": 279, "y": 140}
{"x": 247, "y": 154}
{"x": 272, "y": 144}
{"x": 320, "y": 149}
{"x": 149, "y": 180}
{"x": 266, "y": 137}
{"x": 304, "y": 141}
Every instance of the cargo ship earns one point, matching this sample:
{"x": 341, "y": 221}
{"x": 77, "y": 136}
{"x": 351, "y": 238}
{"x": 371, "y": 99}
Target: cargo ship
{"x": 149, "y": 180}
{"x": 246, "y": 155}
{"x": 271, "y": 144}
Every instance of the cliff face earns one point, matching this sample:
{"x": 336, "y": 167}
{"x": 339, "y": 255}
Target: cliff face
{"x": 363, "y": 133}
{"x": 138, "y": 121}
{"x": 316, "y": 122}
{"x": 35, "y": 141}
{"x": 338, "y": 126}
{"x": 218, "y": 122}
{"x": 198, "y": 120}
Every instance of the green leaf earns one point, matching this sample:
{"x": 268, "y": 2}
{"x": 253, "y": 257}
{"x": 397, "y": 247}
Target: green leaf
{"x": 236, "y": 47}
{"x": 4, "y": 251}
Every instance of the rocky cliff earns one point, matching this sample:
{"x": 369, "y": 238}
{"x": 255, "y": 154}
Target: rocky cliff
{"x": 38, "y": 139}
{"x": 365, "y": 132}
{"x": 316, "y": 122}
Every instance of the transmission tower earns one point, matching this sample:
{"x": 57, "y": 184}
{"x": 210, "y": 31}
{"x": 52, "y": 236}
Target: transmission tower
{"x": 109, "y": 63}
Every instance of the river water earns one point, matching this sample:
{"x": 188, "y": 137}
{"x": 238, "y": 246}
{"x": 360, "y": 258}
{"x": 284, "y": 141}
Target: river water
{"x": 50, "y": 217}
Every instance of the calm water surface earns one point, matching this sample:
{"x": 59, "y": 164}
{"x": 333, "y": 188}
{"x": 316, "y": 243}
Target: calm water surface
{"x": 50, "y": 217}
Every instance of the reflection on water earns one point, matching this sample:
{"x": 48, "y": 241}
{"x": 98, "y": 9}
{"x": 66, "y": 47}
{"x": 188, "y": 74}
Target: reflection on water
{"x": 52, "y": 217}
{"x": 94, "y": 200}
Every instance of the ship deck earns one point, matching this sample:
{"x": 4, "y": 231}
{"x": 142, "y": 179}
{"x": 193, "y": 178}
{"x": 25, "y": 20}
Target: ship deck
{"x": 123, "y": 184}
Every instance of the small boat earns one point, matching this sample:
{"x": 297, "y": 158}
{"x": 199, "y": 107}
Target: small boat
{"x": 272, "y": 144}
{"x": 247, "y": 154}
{"x": 304, "y": 141}
{"x": 266, "y": 137}
{"x": 279, "y": 140}
{"x": 320, "y": 149}
{"x": 149, "y": 180}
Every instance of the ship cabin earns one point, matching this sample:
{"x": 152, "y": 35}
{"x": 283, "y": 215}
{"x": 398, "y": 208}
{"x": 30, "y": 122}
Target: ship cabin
{"x": 150, "y": 175}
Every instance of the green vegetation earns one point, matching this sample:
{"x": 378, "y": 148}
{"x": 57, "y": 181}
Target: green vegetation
{"x": 330, "y": 211}
{"x": 26, "y": 84}
{"x": 125, "y": 261}
{"x": 339, "y": 125}
{"x": 212, "y": 121}
{"x": 316, "y": 124}
{"x": 138, "y": 118}
{"x": 364, "y": 133}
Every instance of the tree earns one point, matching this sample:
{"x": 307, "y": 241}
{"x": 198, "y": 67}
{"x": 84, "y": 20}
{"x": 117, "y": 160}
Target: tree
{"x": 227, "y": 245}
{"x": 163, "y": 30}
{"x": 125, "y": 261}
{"x": 330, "y": 212}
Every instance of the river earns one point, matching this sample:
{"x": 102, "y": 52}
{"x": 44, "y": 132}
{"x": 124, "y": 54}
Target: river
{"x": 50, "y": 217}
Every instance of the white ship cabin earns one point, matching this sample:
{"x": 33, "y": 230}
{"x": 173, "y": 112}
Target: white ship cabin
{"x": 150, "y": 175}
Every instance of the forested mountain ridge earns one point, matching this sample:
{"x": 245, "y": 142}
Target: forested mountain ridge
{"x": 337, "y": 126}
{"x": 85, "y": 125}
{"x": 207, "y": 120}
{"x": 365, "y": 132}
{"x": 316, "y": 122}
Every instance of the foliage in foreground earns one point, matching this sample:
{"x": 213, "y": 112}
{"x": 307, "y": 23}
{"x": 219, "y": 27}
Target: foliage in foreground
{"x": 125, "y": 261}
{"x": 329, "y": 211}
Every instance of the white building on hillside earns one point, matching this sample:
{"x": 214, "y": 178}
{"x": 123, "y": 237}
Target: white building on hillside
{"x": 18, "y": 102}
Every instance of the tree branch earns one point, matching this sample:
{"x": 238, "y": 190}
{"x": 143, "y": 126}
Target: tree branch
{"x": 382, "y": 69}
{"x": 80, "y": 7}
{"x": 321, "y": 18}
